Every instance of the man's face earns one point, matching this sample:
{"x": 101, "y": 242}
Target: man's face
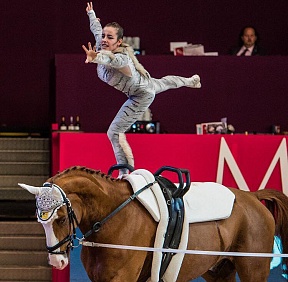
{"x": 249, "y": 38}
{"x": 109, "y": 39}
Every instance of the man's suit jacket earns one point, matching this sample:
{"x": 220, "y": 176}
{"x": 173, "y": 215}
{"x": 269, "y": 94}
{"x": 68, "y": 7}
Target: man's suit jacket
{"x": 257, "y": 51}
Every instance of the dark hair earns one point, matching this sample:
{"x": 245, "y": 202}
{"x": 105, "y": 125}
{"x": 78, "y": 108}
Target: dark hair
{"x": 120, "y": 30}
{"x": 242, "y": 33}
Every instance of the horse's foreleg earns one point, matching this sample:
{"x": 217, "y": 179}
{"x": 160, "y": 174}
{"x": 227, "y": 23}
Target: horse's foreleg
{"x": 224, "y": 270}
{"x": 209, "y": 277}
{"x": 253, "y": 269}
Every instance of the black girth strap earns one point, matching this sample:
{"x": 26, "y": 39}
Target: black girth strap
{"x": 175, "y": 204}
{"x": 175, "y": 224}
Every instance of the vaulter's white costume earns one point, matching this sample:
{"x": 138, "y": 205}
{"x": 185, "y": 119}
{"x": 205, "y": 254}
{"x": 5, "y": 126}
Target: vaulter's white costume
{"x": 140, "y": 89}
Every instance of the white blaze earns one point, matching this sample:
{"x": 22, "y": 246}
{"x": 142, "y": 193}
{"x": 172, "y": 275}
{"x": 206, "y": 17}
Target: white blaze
{"x": 59, "y": 261}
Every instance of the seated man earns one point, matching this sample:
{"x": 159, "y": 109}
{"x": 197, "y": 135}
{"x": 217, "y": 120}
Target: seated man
{"x": 248, "y": 43}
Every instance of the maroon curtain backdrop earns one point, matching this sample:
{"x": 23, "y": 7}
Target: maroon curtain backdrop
{"x": 32, "y": 32}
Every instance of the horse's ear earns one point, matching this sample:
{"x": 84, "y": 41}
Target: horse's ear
{"x": 56, "y": 194}
{"x": 32, "y": 189}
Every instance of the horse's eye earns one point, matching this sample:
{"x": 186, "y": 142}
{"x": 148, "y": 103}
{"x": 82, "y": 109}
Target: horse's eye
{"x": 62, "y": 220}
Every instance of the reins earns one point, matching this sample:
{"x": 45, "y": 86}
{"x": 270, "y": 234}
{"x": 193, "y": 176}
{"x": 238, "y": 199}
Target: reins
{"x": 96, "y": 227}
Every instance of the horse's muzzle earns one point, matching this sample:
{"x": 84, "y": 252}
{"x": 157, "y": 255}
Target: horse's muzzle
{"x": 58, "y": 261}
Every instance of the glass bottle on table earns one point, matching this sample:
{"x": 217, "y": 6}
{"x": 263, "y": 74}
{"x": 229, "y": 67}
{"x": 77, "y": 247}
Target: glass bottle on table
{"x": 71, "y": 124}
{"x": 77, "y": 125}
{"x": 63, "y": 125}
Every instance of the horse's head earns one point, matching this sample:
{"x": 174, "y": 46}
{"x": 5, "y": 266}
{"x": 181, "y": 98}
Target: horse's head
{"x": 55, "y": 214}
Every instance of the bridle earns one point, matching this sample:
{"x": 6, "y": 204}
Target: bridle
{"x": 73, "y": 223}
{"x": 72, "y": 237}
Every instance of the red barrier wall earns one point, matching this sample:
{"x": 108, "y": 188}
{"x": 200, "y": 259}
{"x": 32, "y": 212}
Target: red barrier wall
{"x": 241, "y": 161}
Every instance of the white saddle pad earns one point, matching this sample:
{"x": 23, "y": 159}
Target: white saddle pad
{"x": 204, "y": 201}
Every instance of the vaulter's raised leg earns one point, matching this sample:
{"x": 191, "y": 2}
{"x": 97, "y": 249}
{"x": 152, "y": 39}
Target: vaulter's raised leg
{"x": 173, "y": 82}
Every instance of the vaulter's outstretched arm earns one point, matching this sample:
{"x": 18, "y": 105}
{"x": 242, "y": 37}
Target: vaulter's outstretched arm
{"x": 95, "y": 25}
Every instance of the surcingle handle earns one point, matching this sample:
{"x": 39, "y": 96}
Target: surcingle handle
{"x": 181, "y": 190}
{"x": 120, "y": 166}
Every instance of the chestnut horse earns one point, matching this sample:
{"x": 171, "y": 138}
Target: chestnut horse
{"x": 89, "y": 196}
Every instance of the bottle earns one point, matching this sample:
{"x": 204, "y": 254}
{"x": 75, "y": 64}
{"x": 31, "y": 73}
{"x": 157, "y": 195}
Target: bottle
{"x": 71, "y": 125}
{"x": 77, "y": 123}
{"x": 63, "y": 125}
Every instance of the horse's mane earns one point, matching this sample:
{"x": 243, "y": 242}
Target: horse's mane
{"x": 82, "y": 169}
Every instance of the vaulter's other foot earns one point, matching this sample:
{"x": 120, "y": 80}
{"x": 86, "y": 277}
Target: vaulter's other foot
{"x": 195, "y": 81}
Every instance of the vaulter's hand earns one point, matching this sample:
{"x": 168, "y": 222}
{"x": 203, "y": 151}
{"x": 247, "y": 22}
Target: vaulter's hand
{"x": 90, "y": 53}
{"x": 89, "y": 7}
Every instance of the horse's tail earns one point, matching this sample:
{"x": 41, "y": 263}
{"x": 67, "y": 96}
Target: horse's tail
{"x": 277, "y": 203}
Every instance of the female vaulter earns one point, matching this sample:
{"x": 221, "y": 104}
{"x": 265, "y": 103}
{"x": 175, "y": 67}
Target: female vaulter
{"x": 118, "y": 66}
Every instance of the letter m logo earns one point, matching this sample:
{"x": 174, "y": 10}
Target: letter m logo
{"x": 281, "y": 155}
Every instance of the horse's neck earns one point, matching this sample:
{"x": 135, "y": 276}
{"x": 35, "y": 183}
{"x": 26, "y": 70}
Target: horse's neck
{"x": 97, "y": 200}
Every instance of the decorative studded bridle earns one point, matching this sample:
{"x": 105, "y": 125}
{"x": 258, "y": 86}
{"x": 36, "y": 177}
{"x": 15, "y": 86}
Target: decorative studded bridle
{"x": 47, "y": 206}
